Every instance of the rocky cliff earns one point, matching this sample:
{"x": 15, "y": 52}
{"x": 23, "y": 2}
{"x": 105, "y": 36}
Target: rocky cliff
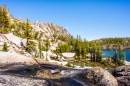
{"x": 49, "y": 29}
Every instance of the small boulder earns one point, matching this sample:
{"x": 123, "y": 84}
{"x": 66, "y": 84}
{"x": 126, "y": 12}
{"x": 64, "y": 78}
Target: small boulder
{"x": 99, "y": 77}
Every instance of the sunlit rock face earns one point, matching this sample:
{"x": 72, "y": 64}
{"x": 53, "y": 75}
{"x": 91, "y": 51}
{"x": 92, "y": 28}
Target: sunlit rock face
{"x": 49, "y": 29}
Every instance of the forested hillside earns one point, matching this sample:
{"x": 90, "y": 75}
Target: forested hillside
{"x": 113, "y": 43}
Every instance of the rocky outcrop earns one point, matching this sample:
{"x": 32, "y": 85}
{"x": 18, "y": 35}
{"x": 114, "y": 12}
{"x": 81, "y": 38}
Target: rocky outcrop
{"x": 49, "y": 29}
{"x": 50, "y": 75}
{"x": 99, "y": 77}
{"x": 68, "y": 55}
{"x": 23, "y": 42}
{"x": 19, "y": 75}
{"x": 13, "y": 42}
{"x": 122, "y": 74}
{"x": 7, "y": 57}
{"x": 27, "y": 75}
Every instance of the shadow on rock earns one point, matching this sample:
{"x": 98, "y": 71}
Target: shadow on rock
{"x": 122, "y": 74}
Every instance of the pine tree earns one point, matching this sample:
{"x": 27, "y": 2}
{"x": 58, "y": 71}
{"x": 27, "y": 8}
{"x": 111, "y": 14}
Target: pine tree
{"x": 78, "y": 47}
{"x": 86, "y": 45}
{"x": 36, "y": 54}
{"x": 1, "y": 18}
{"x": 28, "y": 29}
{"x": 115, "y": 57}
{"x": 83, "y": 50}
{"x": 4, "y": 20}
{"x": 40, "y": 36}
{"x": 122, "y": 55}
{"x": 5, "y": 47}
{"x": 54, "y": 36}
{"x": 63, "y": 47}
{"x": 99, "y": 54}
{"x": 28, "y": 34}
{"x": 94, "y": 50}
{"x": 36, "y": 35}
{"x": 47, "y": 44}
{"x": 40, "y": 49}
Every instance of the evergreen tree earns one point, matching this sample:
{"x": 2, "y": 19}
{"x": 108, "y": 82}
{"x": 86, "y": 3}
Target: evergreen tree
{"x": 115, "y": 57}
{"x": 47, "y": 44}
{"x": 1, "y": 18}
{"x": 117, "y": 60}
{"x": 36, "y": 54}
{"x": 5, "y": 47}
{"x": 63, "y": 48}
{"x": 20, "y": 29}
{"x": 86, "y": 45}
{"x": 4, "y": 20}
{"x": 36, "y": 35}
{"x": 40, "y": 49}
{"x": 122, "y": 55}
{"x": 94, "y": 50}
{"x": 28, "y": 29}
{"x": 54, "y": 36}
{"x": 99, "y": 54}
{"x": 78, "y": 47}
{"x": 83, "y": 50}
{"x": 30, "y": 46}
{"x": 41, "y": 34}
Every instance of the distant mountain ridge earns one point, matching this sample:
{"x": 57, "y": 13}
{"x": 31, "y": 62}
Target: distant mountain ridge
{"x": 49, "y": 29}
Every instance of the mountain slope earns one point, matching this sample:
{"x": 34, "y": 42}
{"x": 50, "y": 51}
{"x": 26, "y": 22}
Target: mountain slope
{"x": 20, "y": 35}
{"x": 49, "y": 29}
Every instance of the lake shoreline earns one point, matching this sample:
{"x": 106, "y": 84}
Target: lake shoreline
{"x": 111, "y": 53}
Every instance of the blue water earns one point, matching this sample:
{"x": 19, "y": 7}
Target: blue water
{"x": 106, "y": 53}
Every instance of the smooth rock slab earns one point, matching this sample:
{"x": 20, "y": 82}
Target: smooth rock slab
{"x": 8, "y": 80}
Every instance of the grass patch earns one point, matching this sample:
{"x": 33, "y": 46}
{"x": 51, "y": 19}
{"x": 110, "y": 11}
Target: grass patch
{"x": 94, "y": 64}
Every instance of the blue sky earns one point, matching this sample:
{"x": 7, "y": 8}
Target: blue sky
{"x": 91, "y": 19}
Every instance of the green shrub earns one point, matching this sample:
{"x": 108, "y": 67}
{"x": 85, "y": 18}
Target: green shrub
{"x": 82, "y": 64}
{"x": 104, "y": 62}
{"x": 68, "y": 64}
{"x": 31, "y": 46}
